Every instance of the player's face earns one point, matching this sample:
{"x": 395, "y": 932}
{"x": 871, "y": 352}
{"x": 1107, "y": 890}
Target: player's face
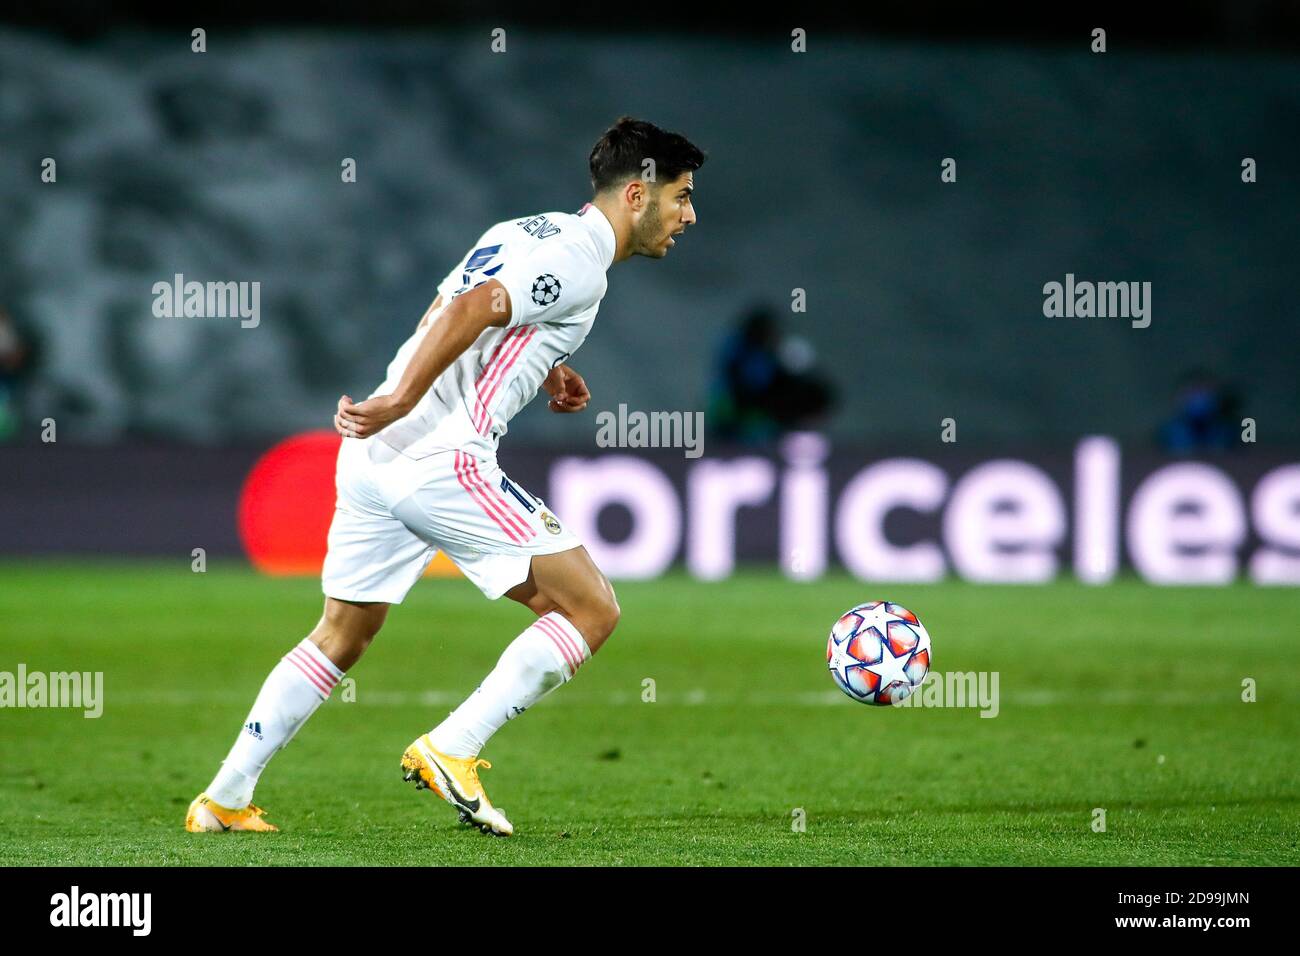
{"x": 667, "y": 215}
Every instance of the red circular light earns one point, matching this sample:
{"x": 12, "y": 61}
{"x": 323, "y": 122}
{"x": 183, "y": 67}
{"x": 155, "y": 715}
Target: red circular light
{"x": 287, "y": 503}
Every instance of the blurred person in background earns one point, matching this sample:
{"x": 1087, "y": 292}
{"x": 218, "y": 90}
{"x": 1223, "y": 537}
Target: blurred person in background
{"x": 764, "y": 382}
{"x": 17, "y": 359}
{"x": 1206, "y": 416}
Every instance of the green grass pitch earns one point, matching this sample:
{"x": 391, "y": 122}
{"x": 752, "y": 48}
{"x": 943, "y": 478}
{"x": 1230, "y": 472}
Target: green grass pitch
{"x": 1126, "y": 698}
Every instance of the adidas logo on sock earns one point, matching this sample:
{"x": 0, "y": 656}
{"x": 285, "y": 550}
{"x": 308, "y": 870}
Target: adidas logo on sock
{"x": 254, "y": 727}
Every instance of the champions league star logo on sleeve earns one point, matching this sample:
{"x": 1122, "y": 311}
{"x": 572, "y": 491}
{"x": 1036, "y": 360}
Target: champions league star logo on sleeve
{"x": 546, "y": 289}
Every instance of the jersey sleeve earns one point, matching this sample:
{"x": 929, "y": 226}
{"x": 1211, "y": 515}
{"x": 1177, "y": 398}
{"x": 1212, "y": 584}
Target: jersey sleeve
{"x": 451, "y": 283}
{"x": 455, "y": 280}
{"x": 553, "y": 283}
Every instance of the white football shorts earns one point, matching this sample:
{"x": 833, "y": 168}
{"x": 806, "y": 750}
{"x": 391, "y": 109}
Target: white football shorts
{"x": 394, "y": 513}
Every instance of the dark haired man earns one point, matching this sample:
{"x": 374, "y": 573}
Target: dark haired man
{"x": 417, "y": 472}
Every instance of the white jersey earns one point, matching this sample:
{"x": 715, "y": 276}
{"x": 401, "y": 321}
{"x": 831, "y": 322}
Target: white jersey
{"x": 553, "y": 266}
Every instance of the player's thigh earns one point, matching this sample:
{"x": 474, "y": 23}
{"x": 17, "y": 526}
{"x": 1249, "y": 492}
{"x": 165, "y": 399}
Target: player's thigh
{"x": 570, "y": 582}
{"x": 372, "y": 558}
{"x": 490, "y": 526}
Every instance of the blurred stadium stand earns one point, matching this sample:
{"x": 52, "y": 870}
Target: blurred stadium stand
{"x": 1250, "y": 24}
{"x": 824, "y": 176}
{"x": 924, "y": 300}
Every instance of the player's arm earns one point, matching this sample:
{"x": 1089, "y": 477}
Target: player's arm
{"x": 424, "y": 319}
{"x": 456, "y": 329}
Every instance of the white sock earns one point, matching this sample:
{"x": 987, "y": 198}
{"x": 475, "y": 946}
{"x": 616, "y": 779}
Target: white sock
{"x": 539, "y": 660}
{"x": 293, "y": 690}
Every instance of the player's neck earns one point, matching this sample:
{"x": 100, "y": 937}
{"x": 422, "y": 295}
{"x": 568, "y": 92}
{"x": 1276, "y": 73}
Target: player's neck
{"x": 622, "y": 228}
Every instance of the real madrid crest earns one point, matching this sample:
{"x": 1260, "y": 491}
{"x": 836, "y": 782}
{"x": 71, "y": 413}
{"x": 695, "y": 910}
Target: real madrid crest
{"x": 551, "y": 523}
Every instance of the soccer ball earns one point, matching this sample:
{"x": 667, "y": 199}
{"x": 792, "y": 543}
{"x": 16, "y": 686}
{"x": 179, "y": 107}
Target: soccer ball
{"x": 878, "y": 653}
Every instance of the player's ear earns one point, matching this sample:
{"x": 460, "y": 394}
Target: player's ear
{"x": 635, "y": 194}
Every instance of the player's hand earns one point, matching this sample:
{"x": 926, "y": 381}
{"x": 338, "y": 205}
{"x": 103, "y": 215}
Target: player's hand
{"x": 361, "y": 421}
{"x": 567, "y": 390}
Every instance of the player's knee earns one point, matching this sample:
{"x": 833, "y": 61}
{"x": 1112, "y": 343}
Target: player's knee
{"x": 604, "y": 613}
{"x": 349, "y": 628}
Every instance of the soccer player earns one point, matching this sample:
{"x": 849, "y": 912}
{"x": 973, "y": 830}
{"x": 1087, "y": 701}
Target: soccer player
{"x": 417, "y": 472}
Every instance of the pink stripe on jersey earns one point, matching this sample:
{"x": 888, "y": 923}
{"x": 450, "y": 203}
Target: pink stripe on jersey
{"x": 566, "y": 652}
{"x": 495, "y": 352}
{"x": 479, "y": 408}
{"x": 572, "y": 653}
{"x": 322, "y": 688}
{"x": 517, "y": 522}
{"x": 462, "y": 476}
{"x": 504, "y": 364}
{"x": 484, "y": 379}
{"x": 482, "y": 411}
